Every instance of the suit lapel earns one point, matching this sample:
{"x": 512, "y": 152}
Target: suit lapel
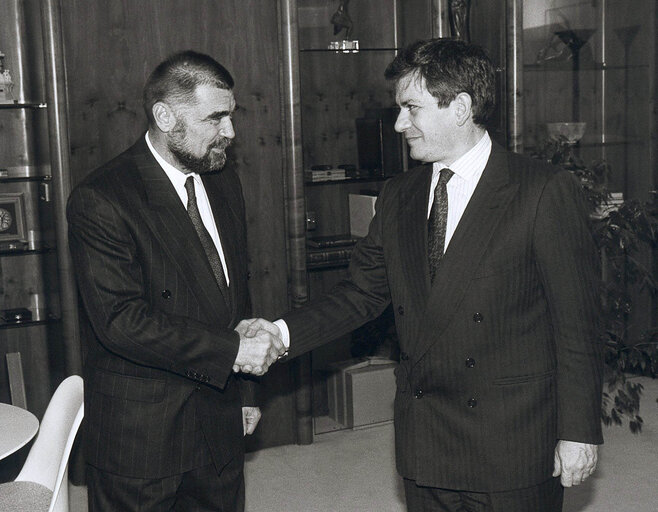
{"x": 225, "y": 220}
{"x": 468, "y": 244}
{"x": 168, "y": 219}
{"x": 412, "y": 233}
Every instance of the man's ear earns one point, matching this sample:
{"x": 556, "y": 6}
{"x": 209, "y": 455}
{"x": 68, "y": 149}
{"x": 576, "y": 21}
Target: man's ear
{"x": 463, "y": 107}
{"x": 164, "y": 116}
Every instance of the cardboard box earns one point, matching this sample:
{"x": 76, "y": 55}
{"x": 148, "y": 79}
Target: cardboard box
{"x": 362, "y": 391}
{"x": 362, "y": 210}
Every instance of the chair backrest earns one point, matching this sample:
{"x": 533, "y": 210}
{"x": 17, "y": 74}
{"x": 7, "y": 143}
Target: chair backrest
{"x": 47, "y": 462}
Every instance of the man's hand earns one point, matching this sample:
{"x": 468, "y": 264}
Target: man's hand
{"x": 574, "y": 462}
{"x": 250, "y": 419}
{"x": 260, "y": 346}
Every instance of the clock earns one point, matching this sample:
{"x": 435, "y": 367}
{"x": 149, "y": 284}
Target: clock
{"x": 6, "y": 220}
{"x": 12, "y": 218}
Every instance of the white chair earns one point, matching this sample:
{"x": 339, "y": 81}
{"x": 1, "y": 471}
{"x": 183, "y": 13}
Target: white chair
{"x": 42, "y": 484}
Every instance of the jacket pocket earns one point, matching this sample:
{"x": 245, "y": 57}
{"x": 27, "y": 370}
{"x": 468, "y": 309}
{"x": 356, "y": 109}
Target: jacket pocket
{"x": 522, "y": 379}
{"x": 126, "y": 387}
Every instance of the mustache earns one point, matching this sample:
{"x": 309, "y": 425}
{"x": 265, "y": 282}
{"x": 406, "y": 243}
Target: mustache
{"x": 222, "y": 143}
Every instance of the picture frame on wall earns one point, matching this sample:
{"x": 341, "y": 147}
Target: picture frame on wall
{"x": 12, "y": 217}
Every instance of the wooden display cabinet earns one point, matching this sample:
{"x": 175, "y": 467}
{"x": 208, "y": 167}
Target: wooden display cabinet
{"x": 37, "y": 290}
{"x": 343, "y": 99}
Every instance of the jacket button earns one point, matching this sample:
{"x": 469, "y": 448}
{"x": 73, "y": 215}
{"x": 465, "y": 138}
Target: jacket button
{"x": 470, "y": 362}
{"x": 472, "y": 402}
{"x": 419, "y": 393}
{"x": 166, "y": 294}
{"x": 400, "y": 310}
{"x": 404, "y": 356}
{"x": 248, "y": 275}
{"x": 477, "y": 318}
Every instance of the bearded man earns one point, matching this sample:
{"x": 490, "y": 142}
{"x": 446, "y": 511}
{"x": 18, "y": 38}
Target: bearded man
{"x": 159, "y": 245}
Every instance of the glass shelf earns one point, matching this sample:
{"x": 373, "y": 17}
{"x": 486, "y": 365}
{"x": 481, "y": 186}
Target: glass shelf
{"x": 346, "y": 180}
{"x": 23, "y": 104}
{"x": 28, "y": 323}
{"x": 25, "y": 252}
{"x": 348, "y": 52}
{"x": 596, "y": 66}
{"x": 17, "y": 179}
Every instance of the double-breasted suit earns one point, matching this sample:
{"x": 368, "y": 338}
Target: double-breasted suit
{"x": 500, "y": 356}
{"x": 159, "y": 386}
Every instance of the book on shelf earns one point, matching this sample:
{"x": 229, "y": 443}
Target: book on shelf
{"x": 329, "y": 255}
{"x": 321, "y": 242}
{"x": 327, "y": 264}
{"x": 315, "y": 175}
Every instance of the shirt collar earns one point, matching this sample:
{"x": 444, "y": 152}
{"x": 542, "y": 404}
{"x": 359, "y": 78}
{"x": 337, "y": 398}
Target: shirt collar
{"x": 471, "y": 164}
{"x": 176, "y": 176}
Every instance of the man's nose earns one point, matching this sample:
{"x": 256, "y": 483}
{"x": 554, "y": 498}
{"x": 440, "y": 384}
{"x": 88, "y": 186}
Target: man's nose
{"x": 402, "y": 122}
{"x": 226, "y": 128}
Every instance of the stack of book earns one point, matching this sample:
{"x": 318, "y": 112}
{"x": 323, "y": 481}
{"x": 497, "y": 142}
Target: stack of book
{"x": 317, "y": 175}
{"x": 329, "y": 251}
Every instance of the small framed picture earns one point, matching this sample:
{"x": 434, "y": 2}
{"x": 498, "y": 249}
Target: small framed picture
{"x": 12, "y": 218}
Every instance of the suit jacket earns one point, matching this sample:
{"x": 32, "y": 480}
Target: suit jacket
{"x": 500, "y": 357}
{"x": 158, "y": 373}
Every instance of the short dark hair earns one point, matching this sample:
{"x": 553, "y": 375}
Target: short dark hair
{"x": 176, "y": 78}
{"x": 449, "y": 67}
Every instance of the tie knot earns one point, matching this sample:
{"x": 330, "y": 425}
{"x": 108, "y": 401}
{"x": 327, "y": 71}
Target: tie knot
{"x": 445, "y": 175}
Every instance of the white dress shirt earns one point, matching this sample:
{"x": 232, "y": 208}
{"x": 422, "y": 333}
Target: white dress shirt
{"x": 468, "y": 169}
{"x": 178, "y": 179}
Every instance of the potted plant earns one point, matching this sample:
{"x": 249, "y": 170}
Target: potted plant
{"x": 622, "y": 232}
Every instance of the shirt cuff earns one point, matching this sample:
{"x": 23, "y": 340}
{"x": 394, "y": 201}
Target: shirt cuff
{"x": 285, "y": 333}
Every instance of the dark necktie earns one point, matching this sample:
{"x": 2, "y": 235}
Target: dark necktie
{"x": 206, "y": 240}
{"x": 436, "y": 224}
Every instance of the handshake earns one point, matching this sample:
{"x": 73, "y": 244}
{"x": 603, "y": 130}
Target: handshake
{"x": 260, "y": 346}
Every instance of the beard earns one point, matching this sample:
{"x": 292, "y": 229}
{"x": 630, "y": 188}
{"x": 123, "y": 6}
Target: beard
{"x": 213, "y": 160}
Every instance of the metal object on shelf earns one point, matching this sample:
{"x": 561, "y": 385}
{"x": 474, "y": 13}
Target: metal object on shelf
{"x": 16, "y": 315}
{"x": 344, "y": 46}
{"x": 12, "y": 218}
{"x": 341, "y": 19}
{"x": 6, "y": 82}
{"x": 44, "y": 192}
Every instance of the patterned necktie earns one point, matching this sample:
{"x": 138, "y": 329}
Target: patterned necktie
{"x": 436, "y": 224}
{"x": 206, "y": 241}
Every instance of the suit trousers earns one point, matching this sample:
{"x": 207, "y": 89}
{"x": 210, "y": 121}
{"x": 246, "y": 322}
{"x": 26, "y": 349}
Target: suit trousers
{"x": 200, "y": 490}
{"x": 545, "y": 497}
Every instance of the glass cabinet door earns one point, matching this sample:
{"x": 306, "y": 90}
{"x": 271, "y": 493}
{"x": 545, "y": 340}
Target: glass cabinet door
{"x": 591, "y": 63}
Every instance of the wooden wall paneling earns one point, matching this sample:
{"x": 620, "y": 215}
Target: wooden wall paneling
{"x": 111, "y": 47}
{"x": 421, "y": 19}
{"x": 373, "y": 22}
{"x": 488, "y": 29}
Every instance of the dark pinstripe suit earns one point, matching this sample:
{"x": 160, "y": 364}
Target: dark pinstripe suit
{"x": 500, "y": 357}
{"x": 158, "y": 379}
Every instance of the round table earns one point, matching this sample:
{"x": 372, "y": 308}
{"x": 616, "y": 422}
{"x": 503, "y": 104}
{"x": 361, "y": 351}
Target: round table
{"x": 17, "y": 426}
